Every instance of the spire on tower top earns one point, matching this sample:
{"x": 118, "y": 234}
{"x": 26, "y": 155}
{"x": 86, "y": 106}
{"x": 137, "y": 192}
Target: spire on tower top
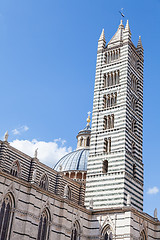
{"x": 102, "y": 37}
{"x": 127, "y": 28}
{"x": 139, "y": 45}
{"x": 121, "y": 22}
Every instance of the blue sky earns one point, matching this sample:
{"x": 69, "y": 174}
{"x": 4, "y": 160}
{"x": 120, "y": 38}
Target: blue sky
{"x": 47, "y": 68}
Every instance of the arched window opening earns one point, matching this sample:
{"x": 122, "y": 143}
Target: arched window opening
{"x": 112, "y": 100}
{"x": 108, "y": 80}
{"x": 112, "y": 121}
{"x": 109, "y": 140}
{"x": 81, "y": 141}
{"x": 104, "y": 80}
{"x": 118, "y": 74}
{"x": 143, "y": 236}
{"x": 105, "y": 122}
{"x": 115, "y": 98}
{"x": 75, "y": 235}
{"x": 105, "y": 166}
{"x": 44, "y": 182}
{"x": 104, "y": 101}
{"x": 133, "y": 125}
{"x": 134, "y": 170}
{"x": 108, "y": 100}
{"x": 6, "y": 215}
{"x": 106, "y": 145}
{"x": 67, "y": 192}
{"x": 109, "y": 122}
{"x": 15, "y": 169}
{"x": 107, "y": 233}
{"x": 133, "y": 148}
{"x": 88, "y": 141}
{"x": 43, "y": 228}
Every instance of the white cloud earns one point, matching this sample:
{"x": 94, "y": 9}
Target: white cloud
{"x": 153, "y": 190}
{"x": 48, "y": 152}
{"x": 19, "y": 130}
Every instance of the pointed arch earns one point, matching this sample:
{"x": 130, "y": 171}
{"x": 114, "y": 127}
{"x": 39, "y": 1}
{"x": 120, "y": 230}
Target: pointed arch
{"x": 15, "y": 168}
{"x": 43, "y": 229}
{"x": 44, "y": 183}
{"x": 76, "y": 230}
{"x": 107, "y": 233}
{"x": 143, "y": 235}
{"x": 6, "y": 215}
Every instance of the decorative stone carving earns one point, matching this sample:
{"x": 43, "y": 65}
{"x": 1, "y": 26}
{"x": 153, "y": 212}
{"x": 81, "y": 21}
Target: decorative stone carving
{"x": 6, "y": 136}
{"x": 36, "y": 153}
{"x": 128, "y": 199}
{"x": 91, "y": 203}
{"x": 155, "y": 213}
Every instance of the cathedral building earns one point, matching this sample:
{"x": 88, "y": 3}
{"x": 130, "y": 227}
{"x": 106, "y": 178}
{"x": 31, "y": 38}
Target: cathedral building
{"x": 96, "y": 191}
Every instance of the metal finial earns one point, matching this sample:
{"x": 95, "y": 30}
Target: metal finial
{"x": 88, "y": 119}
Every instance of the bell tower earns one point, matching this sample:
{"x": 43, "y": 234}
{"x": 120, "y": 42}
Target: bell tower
{"x": 115, "y": 167}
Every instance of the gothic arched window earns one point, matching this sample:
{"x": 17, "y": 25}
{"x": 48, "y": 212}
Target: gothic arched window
{"x": 104, "y": 101}
{"x": 15, "y": 169}
{"x": 107, "y": 233}
{"x": 104, "y": 80}
{"x": 44, "y": 182}
{"x": 43, "y": 228}
{"x": 134, "y": 170}
{"x": 75, "y": 235}
{"x": 105, "y": 166}
{"x": 143, "y": 236}
{"x": 105, "y": 122}
{"x": 106, "y": 145}
{"x": 6, "y": 215}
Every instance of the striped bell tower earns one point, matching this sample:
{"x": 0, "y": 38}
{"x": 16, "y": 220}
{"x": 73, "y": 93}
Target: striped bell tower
{"x": 115, "y": 168}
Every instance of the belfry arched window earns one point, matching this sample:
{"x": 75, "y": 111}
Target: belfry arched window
{"x": 107, "y": 233}
{"x": 15, "y": 169}
{"x": 143, "y": 236}
{"x": 44, "y": 182}
{"x": 75, "y": 235}
{"x": 43, "y": 228}
{"x": 105, "y": 166}
{"x": 6, "y": 216}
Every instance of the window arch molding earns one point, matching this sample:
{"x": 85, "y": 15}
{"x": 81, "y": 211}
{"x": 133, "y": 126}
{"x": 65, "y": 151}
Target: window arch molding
{"x": 44, "y": 224}
{"x": 107, "y": 233}
{"x": 143, "y": 235}
{"x": 76, "y": 231}
{"x": 15, "y": 169}
{"x": 6, "y": 215}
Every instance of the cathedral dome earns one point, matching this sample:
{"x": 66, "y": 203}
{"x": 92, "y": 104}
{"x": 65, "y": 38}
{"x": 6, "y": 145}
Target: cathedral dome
{"x": 74, "y": 164}
{"x": 74, "y": 161}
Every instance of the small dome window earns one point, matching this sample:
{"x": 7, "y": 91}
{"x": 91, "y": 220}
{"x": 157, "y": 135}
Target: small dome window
{"x": 81, "y": 141}
{"x": 88, "y": 142}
